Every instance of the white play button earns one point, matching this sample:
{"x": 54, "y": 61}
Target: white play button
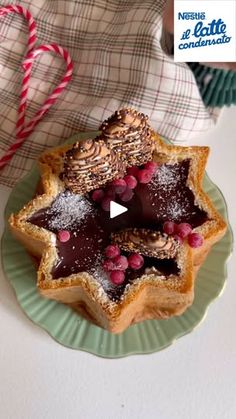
{"x": 116, "y": 209}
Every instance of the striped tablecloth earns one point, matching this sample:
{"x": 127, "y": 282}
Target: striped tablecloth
{"x": 118, "y": 61}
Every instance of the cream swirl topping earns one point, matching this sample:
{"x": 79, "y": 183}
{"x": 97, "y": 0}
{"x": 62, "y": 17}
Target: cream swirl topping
{"x": 146, "y": 242}
{"x": 128, "y": 133}
{"x": 125, "y": 122}
{"x": 90, "y": 164}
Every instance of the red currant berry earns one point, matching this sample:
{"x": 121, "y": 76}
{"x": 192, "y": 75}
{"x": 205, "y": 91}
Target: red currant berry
{"x": 144, "y": 176}
{"x": 110, "y": 192}
{"x": 63, "y": 236}
{"x": 105, "y": 204}
{"x": 112, "y": 251}
{"x": 121, "y": 263}
{"x": 169, "y": 227}
{"x": 151, "y": 166}
{"x": 195, "y": 240}
{"x": 183, "y": 230}
{"x": 108, "y": 265}
{"x": 127, "y": 195}
{"x": 119, "y": 185}
{"x": 98, "y": 195}
{"x": 136, "y": 261}
{"x": 130, "y": 181}
{"x": 117, "y": 277}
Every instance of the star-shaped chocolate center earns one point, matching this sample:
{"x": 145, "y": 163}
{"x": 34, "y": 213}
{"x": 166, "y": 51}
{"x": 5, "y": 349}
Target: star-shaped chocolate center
{"x": 166, "y": 197}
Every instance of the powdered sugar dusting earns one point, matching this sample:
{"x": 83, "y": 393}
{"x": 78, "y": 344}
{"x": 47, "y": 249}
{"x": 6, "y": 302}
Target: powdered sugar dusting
{"x": 167, "y": 177}
{"x": 175, "y": 210}
{"x": 174, "y": 199}
{"x": 101, "y": 276}
{"x": 67, "y": 209}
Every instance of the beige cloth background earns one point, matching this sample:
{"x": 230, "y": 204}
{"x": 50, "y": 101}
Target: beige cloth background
{"x": 118, "y": 61}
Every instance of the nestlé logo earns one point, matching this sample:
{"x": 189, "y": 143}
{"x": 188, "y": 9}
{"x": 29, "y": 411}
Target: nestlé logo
{"x": 192, "y": 16}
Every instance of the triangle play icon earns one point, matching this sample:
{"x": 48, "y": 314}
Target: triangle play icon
{"x": 116, "y": 209}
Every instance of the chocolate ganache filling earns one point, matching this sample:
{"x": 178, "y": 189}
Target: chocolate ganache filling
{"x": 166, "y": 197}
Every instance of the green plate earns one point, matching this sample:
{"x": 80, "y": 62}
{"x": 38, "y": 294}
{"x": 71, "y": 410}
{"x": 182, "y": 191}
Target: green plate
{"x": 71, "y": 330}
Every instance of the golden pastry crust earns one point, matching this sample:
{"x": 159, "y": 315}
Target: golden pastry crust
{"x": 148, "y": 297}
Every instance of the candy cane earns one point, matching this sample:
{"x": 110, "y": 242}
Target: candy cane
{"x": 56, "y": 92}
{"x": 24, "y": 131}
{"x": 32, "y": 39}
{"x": 32, "y": 26}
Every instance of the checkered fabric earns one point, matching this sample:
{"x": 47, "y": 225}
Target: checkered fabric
{"x": 118, "y": 61}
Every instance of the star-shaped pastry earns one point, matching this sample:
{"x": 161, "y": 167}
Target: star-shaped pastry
{"x": 69, "y": 229}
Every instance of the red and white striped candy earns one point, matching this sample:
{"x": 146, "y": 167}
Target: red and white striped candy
{"x": 32, "y": 39}
{"x": 22, "y": 130}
